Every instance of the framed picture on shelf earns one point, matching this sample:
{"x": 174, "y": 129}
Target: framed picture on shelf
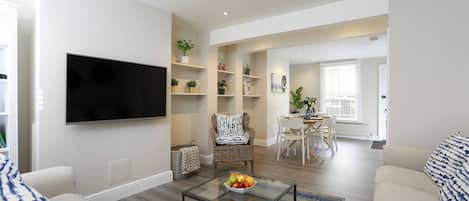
{"x": 247, "y": 86}
{"x": 278, "y": 83}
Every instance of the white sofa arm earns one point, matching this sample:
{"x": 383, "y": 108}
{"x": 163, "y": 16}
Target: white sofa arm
{"x": 406, "y": 157}
{"x": 52, "y": 181}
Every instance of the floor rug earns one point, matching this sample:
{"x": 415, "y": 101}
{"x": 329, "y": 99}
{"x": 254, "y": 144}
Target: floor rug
{"x": 378, "y": 144}
{"x": 306, "y": 196}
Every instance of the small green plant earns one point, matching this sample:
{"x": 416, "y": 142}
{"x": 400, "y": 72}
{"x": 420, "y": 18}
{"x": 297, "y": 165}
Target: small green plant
{"x": 297, "y": 99}
{"x": 174, "y": 82}
{"x": 185, "y": 46}
{"x": 222, "y": 83}
{"x": 310, "y": 102}
{"x": 247, "y": 70}
{"x": 192, "y": 83}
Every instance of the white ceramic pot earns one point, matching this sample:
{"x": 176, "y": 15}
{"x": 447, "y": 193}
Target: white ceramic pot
{"x": 185, "y": 59}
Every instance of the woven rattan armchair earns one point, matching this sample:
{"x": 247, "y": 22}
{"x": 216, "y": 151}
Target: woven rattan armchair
{"x": 233, "y": 153}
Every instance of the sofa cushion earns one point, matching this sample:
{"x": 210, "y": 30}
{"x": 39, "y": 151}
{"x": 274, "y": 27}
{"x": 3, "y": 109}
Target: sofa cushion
{"x": 68, "y": 197}
{"x": 230, "y": 129}
{"x": 9, "y": 169}
{"x": 396, "y": 192}
{"x": 12, "y": 189}
{"x": 447, "y": 158}
{"x": 406, "y": 177}
{"x": 457, "y": 188}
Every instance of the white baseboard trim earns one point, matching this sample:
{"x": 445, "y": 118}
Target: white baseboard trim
{"x": 264, "y": 142}
{"x": 206, "y": 159}
{"x": 134, "y": 187}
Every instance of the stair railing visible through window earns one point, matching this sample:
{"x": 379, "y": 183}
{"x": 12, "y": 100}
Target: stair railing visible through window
{"x": 340, "y": 89}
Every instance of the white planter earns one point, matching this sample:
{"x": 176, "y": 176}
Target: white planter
{"x": 185, "y": 59}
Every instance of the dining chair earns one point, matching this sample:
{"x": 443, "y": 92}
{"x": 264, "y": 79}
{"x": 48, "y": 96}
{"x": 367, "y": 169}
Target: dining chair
{"x": 296, "y": 134}
{"x": 326, "y": 133}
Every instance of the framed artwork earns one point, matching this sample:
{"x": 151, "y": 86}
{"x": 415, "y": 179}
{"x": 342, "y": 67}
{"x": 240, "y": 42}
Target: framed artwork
{"x": 279, "y": 83}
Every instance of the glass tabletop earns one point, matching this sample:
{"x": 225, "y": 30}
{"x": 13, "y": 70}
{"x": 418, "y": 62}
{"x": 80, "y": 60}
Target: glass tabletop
{"x": 265, "y": 189}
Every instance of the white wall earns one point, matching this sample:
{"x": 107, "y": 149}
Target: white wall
{"x": 428, "y": 71}
{"x": 277, "y": 103}
{"x": 116, "y": 29}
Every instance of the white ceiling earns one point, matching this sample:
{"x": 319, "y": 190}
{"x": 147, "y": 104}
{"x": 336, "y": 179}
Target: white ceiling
{"x": 208, "y": 14}
{"x": 353, "y": 48}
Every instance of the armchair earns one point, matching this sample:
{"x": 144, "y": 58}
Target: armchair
{"x": 233, "y": 153}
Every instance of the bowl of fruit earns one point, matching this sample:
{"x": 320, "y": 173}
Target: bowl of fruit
{"x": 240, "y": 183}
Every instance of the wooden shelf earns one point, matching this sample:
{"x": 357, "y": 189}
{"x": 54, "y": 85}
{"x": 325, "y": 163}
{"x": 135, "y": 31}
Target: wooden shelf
{"x": 188, "y": 94}
{"x": 225, "y": 72}
{"x": 251, "y": 96}
{"x": 251, "y": 76}
{"x": 226, "y": 96}
{"x": 189, "y": 66}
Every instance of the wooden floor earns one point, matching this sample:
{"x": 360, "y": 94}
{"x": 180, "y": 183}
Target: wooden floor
{"x": 348, "y": 174}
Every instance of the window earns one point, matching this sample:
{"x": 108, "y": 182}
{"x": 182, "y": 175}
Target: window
{"x": 339, "y": 90}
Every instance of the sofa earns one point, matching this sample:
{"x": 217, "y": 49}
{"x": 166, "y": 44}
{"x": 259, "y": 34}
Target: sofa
{"x": 57, "y": 183}
{"x": 401, "y": 178}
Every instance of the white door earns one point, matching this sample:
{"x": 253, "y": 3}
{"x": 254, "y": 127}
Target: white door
{"x": 383, "y": 101}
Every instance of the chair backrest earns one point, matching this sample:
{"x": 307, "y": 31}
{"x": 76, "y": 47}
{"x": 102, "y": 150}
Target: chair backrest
{"x": 330, "y": 122}
{"x": 291, "y": 123}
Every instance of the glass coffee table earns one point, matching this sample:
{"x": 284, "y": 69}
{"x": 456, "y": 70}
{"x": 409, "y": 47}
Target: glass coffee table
{"x": 265, "y": 189}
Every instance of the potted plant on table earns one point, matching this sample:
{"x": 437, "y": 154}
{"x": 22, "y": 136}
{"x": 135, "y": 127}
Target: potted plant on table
{"x": 174, "y": 84}
{"x": 297, "y": 100}
{"x": 185, "y": 46}
{"x": 222, "y": 87}
{"x": 310, "y": 102}
{"x": 191, "y": 85}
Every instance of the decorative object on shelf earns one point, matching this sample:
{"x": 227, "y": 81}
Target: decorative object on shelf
{"x": 297, "y": 100}
{"x": 191, "y": 85}
{"x": 279, "y": 83}
{"x": 246, "y": 69}
{"x": 3, "y": 76}
{"x": 174, "y": 84}
{"x": 310, "y": 102}
{"x": 3, "y": 143}
{"x": 247, "y": 86}
{"x": 222, "y": 87}
{"x": 185, "y": 46}
{"x": 221, "y": 64}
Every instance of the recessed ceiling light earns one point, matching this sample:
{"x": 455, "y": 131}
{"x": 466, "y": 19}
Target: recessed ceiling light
{"x": 226, "y": 13}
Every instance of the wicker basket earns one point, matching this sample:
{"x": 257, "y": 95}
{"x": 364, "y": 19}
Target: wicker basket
{"x": 176, "y": 161}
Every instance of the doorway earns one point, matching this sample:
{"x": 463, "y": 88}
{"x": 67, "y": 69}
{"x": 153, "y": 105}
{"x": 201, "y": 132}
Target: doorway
{"x": 383, "y": 101}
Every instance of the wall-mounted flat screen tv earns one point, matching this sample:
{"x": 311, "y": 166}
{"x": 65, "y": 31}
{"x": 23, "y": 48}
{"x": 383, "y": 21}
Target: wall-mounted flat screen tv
{"x": 103, "y": 89}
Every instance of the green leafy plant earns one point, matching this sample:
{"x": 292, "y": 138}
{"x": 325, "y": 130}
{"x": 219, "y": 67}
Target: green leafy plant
{"x": 222, "y": 83}
{"x": 297, "y": 98}
{"x": 247, "y": 70}
{"x": 174, "y": 82}
{"x": 185, "y": 46}
{"x": 192, "y": 83}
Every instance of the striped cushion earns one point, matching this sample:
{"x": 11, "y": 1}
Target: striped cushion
{"x": 230, "y": 129}
{"x": 14, "y": 190}
{"x": 9, "y": 169}
{"x": 457, "y": 188}
{"x": 447, "y": 158}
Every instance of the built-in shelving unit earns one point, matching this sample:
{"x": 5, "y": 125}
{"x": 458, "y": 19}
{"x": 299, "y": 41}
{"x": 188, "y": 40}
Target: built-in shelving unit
{"x": 189, "y": 66}
{"x": 225, "y": 72}
{"x": 188, "y": 94}
{"x": 225, "y": 96}
{"x": 8, "y": 86}
{"x": 252, "y": 96}
{"x": 251, "y": 76}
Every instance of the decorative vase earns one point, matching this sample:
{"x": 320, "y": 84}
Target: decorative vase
{"x": 185, "y": 59}
{"x": 221, "y": 90}
{"x": 173, "y": 89}
{"x": 310, "y": 111}
{"x": 191, "y": 89}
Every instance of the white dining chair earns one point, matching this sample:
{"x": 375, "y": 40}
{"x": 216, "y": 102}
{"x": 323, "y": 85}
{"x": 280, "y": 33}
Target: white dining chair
{"x": 326, "y": 133}
{"x": 296, "y": 134}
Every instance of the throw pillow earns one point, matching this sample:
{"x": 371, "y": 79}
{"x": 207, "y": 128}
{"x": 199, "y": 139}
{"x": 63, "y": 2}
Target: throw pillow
{"x": 457, "y": 188}
{"x": 229, "y": 128}
{"x": 9, "y": 169}
{"x": 447, "y": 158}
{"x": 15, "y": 190}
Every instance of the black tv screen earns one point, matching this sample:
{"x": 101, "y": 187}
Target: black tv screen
{"x": 103, "y": 89}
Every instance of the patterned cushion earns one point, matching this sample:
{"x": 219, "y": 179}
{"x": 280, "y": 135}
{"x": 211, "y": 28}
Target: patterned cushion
{"x": 230, "y": 129}
{"x": 14, "y": 190}
{"x": 9, "y": 169}
{"x": 447, "y": 158}
{"x": 457, "y": 188}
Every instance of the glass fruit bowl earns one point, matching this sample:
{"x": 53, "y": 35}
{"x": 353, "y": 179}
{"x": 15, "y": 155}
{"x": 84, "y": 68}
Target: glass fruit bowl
{"x": 240, "y": 183}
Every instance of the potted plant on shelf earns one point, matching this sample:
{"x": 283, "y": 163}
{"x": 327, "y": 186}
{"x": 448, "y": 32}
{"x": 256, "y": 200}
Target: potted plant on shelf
{"x": 297, "y": 100}
{"x": 191, "y": 85}
{"x": 310, "y": 102}
{"x": 221, "y": 87}
{"x": 174, "y": 84}
{"x": 185, "y": 46}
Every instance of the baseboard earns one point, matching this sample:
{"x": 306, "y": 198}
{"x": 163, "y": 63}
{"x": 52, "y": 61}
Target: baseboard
{"x": 206, "y": 159}
{"x": 264, "y": 142}
{"x": 128, "y": 189}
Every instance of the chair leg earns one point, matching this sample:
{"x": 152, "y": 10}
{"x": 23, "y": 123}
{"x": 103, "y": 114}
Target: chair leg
{"x": 279, "y": 146}
{"x": 288, "y": 149}
{"x": 307, "y": 148}
{"x": 295, "y": 148}
{"x": 214, "y": 168}
{"x": 303, "y": 151}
